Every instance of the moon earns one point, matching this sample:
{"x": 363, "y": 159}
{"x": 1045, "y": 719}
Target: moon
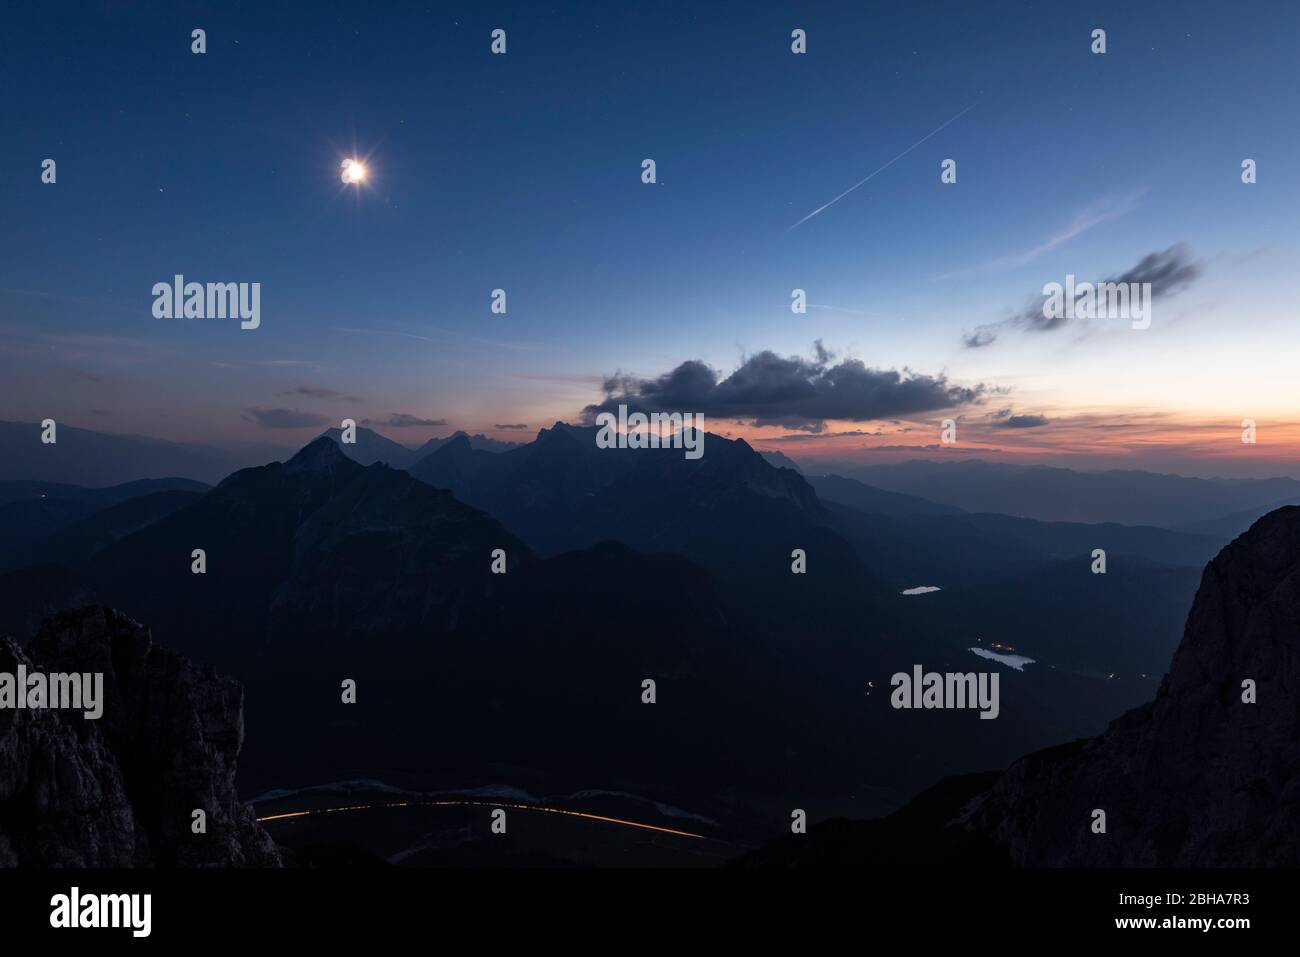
{"x": 353, "y": 172}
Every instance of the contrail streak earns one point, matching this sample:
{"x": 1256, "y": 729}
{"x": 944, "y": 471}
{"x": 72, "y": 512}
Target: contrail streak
{"x": 882, "y": 169}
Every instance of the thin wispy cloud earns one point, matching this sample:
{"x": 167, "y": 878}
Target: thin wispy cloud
{"x": 312, "y": 392}
{"x": 844, "y": 309}
{"x": 1104, "y": 210}
{"x": 866, "y": 179}
{"x": 285, "y": 418}
{"x": 405, "y": 420}
{"x": 63, "y": 297}
{"x": 319, "y": 392}
{"x": 266, "y": 363}
{"x": 822, "y": 436}
{"x": 577, "y": 379}
{"x": 512, "y": 345}
{"x": 23, "y": 340}
{"x": 933, "y": 447}
{"x": 384, "y": 332}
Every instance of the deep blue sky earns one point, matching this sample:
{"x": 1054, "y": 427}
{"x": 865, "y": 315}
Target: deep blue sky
{"x": 523, "y": 172}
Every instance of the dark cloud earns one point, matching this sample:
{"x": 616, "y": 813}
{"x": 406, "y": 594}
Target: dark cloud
{"x": 933, "y": 447}
{"x": 402, "y": 420}
{"x": 1021, "y": 422}
{"x": 1169, "y": 272}
{"x": 285, "y": 418}
{"x": 791, "y": 391}
{"x": 810, "y": 436}
{"x": 814, "y": 428}
{"x": 516, "y": 425}
{"x": 316, "y": 392}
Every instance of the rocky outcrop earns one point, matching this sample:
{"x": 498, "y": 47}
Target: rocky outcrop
{"x": 1198, "y": 777}
{"x": 120, "y": 791}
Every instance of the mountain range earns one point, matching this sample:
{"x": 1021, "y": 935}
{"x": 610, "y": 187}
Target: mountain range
{"x": 1205, "y": 774}
{"x": 46, "y": 521}
{"x": 1129, "y": 497}
{"x": 621, "y": 565}
{"x": 321, "y": 570}
{"x": 371, "y": 447}
{"x": 91, "y": 458}
{"x": 500, "y": 610}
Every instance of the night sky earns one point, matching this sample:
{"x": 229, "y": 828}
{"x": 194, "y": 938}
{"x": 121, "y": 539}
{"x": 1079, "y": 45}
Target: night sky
{"x": 523, "y": 172}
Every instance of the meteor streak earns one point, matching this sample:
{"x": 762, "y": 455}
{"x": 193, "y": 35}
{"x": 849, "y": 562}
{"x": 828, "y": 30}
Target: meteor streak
{"x": 882, "y": 169}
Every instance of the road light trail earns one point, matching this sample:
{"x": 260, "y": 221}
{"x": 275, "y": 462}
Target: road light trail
{"x": 493, "y": 804}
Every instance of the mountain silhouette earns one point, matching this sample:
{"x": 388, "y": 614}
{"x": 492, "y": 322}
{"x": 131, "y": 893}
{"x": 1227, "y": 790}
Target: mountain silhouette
{"x": 371, "y": 447}
{"x": 1130, "y": 497}
{"x": 91, "y": 458}
{"x": 780, "y": 460}
{"x": 32, "y": 511}
{"x": 1198, "y": 777}
{"x": 877, "y": 501}
{"x": 1204, "y": 775}
{"x": 79, "y": 541}
{"x": 1228, "y": 527}
{"x": 267, "y": 534}
{"x": 319, "y": 571}
{"x": 729, "y": 509}
{"x": 477, "y": 441}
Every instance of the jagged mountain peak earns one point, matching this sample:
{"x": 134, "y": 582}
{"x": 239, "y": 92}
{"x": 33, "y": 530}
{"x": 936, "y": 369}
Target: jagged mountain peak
{"x": 322, "y": 454}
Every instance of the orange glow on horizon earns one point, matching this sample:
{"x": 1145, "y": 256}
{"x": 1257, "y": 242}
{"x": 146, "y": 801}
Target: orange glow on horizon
{"x": 1092, "y": 433}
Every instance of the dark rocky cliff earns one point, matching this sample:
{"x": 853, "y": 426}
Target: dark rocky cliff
{"x": 120, "y": 791}
{"x": 1197, "y": 777}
